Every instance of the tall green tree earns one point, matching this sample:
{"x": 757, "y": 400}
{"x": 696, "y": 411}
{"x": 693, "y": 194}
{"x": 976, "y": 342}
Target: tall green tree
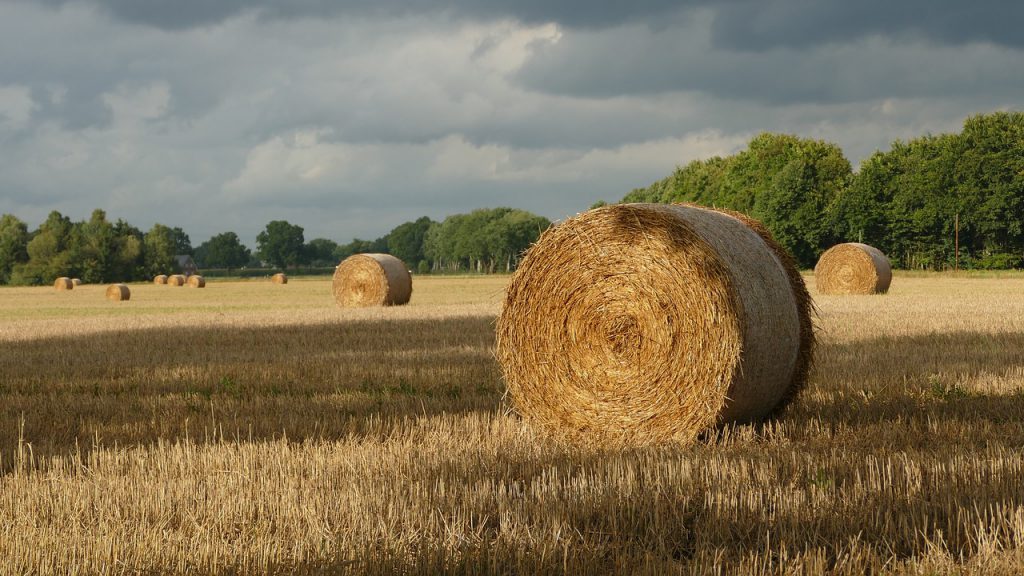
{"x": 281, "y": 243}
{"x": 320, "y": 252}
{"x": 405, "y": 241}
{"x": 224, "y": 250}
{"x": 160, "y": 249}
{"x": 13, "y": 245}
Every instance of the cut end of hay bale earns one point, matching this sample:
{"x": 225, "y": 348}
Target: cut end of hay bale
{"x": 279, "y": 278}
{"x": 196, "y": 281}
{"x": 118, "y": 292}
{"x": 63, "y": 283}
{"x": 76, "y": 282}
{"x": 642, "y": 324}
{"x": 853, "y": 268}
{"x": 160, "y": 279}
{"x": 176, "y": 280}
{"x": 372, "y": 280}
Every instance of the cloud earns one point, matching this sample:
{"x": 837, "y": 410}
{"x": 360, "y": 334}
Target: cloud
{"x": 16, "y": 106}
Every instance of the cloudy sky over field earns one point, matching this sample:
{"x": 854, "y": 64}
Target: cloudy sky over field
{"x": 348, "y": 118}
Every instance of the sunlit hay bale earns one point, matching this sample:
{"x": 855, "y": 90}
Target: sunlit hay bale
{"x": 176, "y": 280}
{"x": 160, "y": 279}
{"x": 642, "y": 324}
{"x": 118, "y": 292}
{"x": 853, "y": 268}
{"x": 196, "y": 281}
{"x": 372, "y": 280}
{"x": 63, "y": 283}
{"x": 76, "y": 282}
{"x": 279, "y": 278}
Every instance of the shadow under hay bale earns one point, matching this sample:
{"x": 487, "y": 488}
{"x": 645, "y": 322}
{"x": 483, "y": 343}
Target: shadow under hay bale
{"x": 853, "y": 268}
{"x": 118, "y": 292}
{"x": 642, "y": 324}
{"x": 372, "y": 280}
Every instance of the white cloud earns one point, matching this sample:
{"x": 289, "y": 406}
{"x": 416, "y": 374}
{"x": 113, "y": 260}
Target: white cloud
{"x": 16, "y": 106}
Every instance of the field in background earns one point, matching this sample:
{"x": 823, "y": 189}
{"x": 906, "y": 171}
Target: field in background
{"x": 253, "y": 428}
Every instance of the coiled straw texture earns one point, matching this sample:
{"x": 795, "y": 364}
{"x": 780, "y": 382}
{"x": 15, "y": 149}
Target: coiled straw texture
{"x": 853, "y": 268}
{"x": 372, "y": 280}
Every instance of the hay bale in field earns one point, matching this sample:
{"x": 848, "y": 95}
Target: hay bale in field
{"x": 646, "y": 323}
{"x": 63, "y": 283}
{"x": 160, "y": 279}
{"x": 76, "y": 282}
{"x": 176, "y": 280}
{"x": 118, "y": 292}
{"x": 372, "y": 280}
{"x": 196, "y": 281}
{"x": 853, "y": 268}
{"x": 279, "y": 278}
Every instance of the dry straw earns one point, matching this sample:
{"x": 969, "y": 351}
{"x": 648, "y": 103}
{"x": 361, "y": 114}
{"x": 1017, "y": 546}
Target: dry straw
{"x": 853, "y": 268}
{"x": 645, "y": 323}
{"x": 196, "y": 281}
{"x": 160, "y": 279}
{"x": 279, "y": 278}
{"x": 118, "y": 292}
{"x": 176, "y": 280}
{"x": 76, "y": 282}
{"x": 63, "y": 283}
{"x": 372, "y": 280}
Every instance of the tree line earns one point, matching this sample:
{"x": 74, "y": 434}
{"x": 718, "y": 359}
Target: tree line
{"x": 909, "y": 201}
{"x": 98, "y": 251}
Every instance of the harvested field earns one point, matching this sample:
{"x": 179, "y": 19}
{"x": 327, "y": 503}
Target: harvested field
{"x": 283, "y": 434}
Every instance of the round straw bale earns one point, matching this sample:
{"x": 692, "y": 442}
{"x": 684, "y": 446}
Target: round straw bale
{"x": 279, "y": 278}
{"x": 640, "y": 324}
{"x": 63, "y": 283}
{"x": 76, "y": 282}
{"x": 372, "y": 280}
{"x": 853, "y": 268}
{"x": 160, "y": 279}
{"x": 118, "y": 292}
{"x": 196, "y": 281}
{"x": 176, "y": 280}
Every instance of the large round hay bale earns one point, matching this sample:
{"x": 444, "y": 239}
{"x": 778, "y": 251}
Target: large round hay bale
{"x": 176, "y": 280}
{"x": 160, "y": 279}
{"x": 76, "y": 282}
{"x": 372, "y": 280}
{"x": 63, "y": 283}
{"x": 196, "y": 281}
{"x": 118, "y": 292}
{"x": 279, "y": 278}
{"x": 853, "y": 268}
{"x": 648, "y": 323}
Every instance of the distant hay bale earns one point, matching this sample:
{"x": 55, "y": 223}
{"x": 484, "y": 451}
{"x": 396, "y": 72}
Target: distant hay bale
{"x": 176, "y": 280}
{"x": 640, "y": 324}
{"x": 76, "y": 282}
{"x": 160, "y": 279}
{"x": 853, "y": 268}
{"x": 372, "y": 280}
{"x": 196, "y": 281}
{"x": 118, "y": 292}
{"x": 279, "y": 278}
{"x": 63, "y": 283}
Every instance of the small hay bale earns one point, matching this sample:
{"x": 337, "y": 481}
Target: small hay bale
{"x": 196, "y": 281}
{"x": 76, "y": 282}
{"x": 641, "y": 324}
{"x": 160, "y": 279}
{"x": 371, "y": 280}
{"x": 63, "y": 283}
{"x": 853, "y": 268}
{"x": 176, "y": 280}
{"x": 279, "y": 278}
{"x": 118, "y": 292}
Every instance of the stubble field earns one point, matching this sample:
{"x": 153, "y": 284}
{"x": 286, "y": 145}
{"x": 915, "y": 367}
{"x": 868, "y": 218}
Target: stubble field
{"x": 251, "y": 428}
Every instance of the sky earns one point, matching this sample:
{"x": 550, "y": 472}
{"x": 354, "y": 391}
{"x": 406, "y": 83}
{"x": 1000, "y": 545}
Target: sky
{"x": 349, "y": 118}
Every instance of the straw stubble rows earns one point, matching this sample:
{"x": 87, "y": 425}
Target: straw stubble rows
{"x": 219, "y": 432}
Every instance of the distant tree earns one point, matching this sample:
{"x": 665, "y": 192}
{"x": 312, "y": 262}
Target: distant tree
{"x": 281, "y": 243}
{"x": 160, "y": 249}
{"x": 224, "y": 250}
{"x": 182, "y": 243}
{"x": 13, "y": 245}
{"x": 321, "y": 252}
{"x": 405, "y": 241}
{"x": 51, "y": 252}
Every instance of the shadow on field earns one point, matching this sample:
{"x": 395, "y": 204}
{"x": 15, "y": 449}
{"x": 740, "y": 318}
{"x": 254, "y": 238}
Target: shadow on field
{"x": 326, "y": 381}
{"x": 961, "y": 375}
